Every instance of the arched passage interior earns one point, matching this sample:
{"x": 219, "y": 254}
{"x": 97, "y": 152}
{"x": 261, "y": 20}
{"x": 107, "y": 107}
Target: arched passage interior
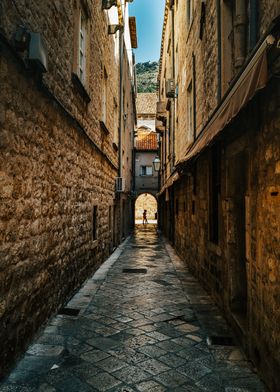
{"x": 148, "y": 202}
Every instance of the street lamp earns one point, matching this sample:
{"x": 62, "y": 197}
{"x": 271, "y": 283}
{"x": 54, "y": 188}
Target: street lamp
{"x": 156, "y": 164}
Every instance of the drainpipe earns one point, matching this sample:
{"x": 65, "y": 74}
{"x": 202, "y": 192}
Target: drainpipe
{"x": 120, "y": 99}
{"x": 121, "y": 123}
{"x": 219, "y": 36}
{"x": 194, "y": 94}
{"x": 240, "y": 33}
{"x": 173, "y": 122}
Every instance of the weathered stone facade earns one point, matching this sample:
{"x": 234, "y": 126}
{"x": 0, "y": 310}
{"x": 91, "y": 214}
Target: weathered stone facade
{"x": 145, "y": 147}
{"x": 60, "y": 215}
{"x": 224, "y": 201}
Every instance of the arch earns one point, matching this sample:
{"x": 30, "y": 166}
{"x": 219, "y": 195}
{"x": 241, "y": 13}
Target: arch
{"x": 146, "y": 201}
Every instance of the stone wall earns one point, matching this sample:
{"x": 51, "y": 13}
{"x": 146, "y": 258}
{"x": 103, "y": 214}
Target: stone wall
{"x": 218, "y": 265}
{"x": 57, "y": 163}
{"x": 226, "y": 223}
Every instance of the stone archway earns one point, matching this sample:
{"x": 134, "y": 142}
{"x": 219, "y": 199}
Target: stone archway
{"x": 146, "y": 201}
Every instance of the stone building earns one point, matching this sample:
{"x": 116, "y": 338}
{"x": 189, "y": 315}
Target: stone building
{"x": 219, "y": 119}
{"x": 67, "y": 121}
{"x": 146, "y": 110}
{"x": 145, "y": 152}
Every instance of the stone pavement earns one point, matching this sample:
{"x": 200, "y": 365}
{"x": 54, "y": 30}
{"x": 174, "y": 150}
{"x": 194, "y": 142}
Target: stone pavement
{"x": 141, "y": 323}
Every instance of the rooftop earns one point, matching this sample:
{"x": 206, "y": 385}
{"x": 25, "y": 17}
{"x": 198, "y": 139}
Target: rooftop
{"x": 146, "y": 141}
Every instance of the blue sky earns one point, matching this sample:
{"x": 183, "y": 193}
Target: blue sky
{"x": 149, "y": 18}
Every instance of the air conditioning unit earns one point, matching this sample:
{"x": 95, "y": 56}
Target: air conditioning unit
{"x": 170, "y": 88}
{"x": 37, "y": 52}
{"x": 120, "y": 184}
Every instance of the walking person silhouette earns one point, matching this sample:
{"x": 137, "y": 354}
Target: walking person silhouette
{"x": 145, "y": 221}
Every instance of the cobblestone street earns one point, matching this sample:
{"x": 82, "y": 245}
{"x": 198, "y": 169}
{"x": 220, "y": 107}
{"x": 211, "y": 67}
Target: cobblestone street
{"x": 141, "y": 323}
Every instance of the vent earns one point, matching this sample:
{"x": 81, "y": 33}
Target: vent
{"x": 134, "y": 271}
{"x": 170, "y": 88}
{"x": 37, "y": 52}
{"x": 69, "y": 311}
{"x": 120, "y": 184}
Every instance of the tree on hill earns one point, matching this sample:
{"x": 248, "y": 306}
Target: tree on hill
{"x": 147, "y": 74}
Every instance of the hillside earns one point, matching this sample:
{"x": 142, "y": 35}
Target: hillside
{"x": 147, "y": 74}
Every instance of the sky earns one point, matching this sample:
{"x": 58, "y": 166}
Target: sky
{"x": 149, "y": 19}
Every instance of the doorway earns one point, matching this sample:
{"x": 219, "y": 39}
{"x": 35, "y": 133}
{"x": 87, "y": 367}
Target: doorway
{"x": 147, "y": 202}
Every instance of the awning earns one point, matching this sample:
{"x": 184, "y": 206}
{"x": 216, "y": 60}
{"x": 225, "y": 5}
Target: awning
{"x": 253, "y": 78}
{"x": 174, "y": 177}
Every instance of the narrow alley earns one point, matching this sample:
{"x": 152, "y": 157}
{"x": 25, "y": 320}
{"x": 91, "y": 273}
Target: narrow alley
{"x": 141, "y": 323}
{"x": 139, "y": 195}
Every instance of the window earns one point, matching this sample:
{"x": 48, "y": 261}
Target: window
{"x": 189, "y": 12}
{"x": 104, "y": 96}
{"x": 94, "y": 223}
{"x": 146, "y": 171}
{"x": 82, "y": 46}
{"x": 190, "y": 127}
{"x": 81, "y": 52}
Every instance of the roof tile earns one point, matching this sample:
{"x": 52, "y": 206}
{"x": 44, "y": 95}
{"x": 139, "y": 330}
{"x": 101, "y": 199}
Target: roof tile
{"x": 147, "y": 141}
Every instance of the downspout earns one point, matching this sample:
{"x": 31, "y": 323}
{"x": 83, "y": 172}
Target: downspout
{"x": 134, "y": 92}
{"x": 219, "y": 59}
{"x": 194, "y": 95}
{"x": 120, "y": 131}
{"x": 121, "y": 123}
{"x": 173, "y": 122}
{"x": 240, "y": 33}
{"x": 121, "y": 32}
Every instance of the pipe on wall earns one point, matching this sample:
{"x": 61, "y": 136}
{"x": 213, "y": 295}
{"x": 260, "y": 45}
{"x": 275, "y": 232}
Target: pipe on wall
{"x": 173, "y": 120}
{"x": 194, "y": 94}
{"x": 219, "y": 55}
{"x": 240, "y": 26}
{"x": 121, "y": 45}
